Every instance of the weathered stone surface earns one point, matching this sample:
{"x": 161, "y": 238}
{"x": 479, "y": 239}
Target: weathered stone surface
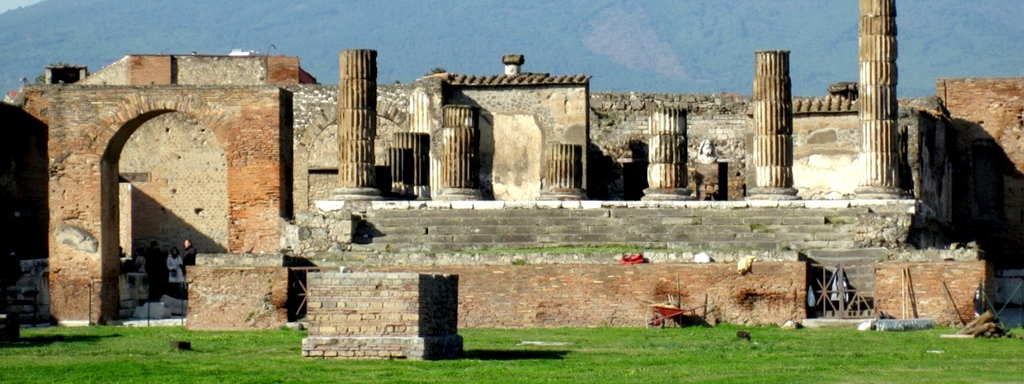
{"x": 563, "y": 173}
{"x": 230, "y": 298}
{"x": 382, "y": 316}
{"x": 878, "y": 103}
{"x": 773, "y": 128}
{"x": 357, "y": 125}
{"x": 667, "y": 173}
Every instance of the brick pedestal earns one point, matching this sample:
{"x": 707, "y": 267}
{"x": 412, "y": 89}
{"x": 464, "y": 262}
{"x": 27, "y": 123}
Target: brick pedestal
{"x": 382, "y": 316}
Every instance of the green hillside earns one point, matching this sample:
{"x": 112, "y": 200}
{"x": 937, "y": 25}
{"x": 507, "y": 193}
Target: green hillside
{"x": 650, "y": 46}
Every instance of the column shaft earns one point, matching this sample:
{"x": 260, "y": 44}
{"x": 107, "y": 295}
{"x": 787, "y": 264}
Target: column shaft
{"x": 357, "y": 125}
{"x": 879, "y": 109}
{"x": 418, "y": 169}
{"x": 460, "y": 163}
{"x": 667, "y": 175}
{"x": 773, "y": 127}
{"x": 563, "y": 174}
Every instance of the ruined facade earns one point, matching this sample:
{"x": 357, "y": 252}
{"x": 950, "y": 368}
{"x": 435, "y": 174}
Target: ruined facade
{"x": 477, "y": 175}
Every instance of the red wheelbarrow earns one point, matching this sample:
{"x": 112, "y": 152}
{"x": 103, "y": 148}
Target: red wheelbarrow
{"x": 662, "y": 313}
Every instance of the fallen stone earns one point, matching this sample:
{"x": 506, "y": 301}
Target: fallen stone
{"x": 790, "y": 324}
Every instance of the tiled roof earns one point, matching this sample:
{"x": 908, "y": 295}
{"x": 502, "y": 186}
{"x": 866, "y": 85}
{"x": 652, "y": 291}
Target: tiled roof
{"x": 827, "y": 104}
{"x": 514, "y": 80}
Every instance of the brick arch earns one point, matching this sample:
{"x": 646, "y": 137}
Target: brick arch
{"x": 87, "y": 130}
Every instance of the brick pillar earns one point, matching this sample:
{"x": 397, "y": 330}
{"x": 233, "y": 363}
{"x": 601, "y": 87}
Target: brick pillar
{"x": 418, "y": 169}
{"x": 563, "y": 173}
{"x": 460, "y": 160}
{"x": 666, "y": 153}
{"x": 773, "y": 127}
{"x": 357, "y": 125}
{"x": 878, "y": 105}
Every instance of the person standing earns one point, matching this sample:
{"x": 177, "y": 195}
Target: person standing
{"x": 189, "y": 253}
{"x": 175, "y": 276}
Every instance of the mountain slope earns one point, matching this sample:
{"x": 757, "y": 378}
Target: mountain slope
{"x": 651, "y": 46}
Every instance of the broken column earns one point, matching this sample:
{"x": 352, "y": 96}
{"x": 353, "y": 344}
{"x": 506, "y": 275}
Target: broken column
{"x": 460, "y": 160}
{"x": 666, "y": 153}
{"x": 415, "y": 171}
{"x": 357, "y": 125}
{"x": 398, "y": 161}
{"x": 773, "y": 128}
{"x": 382, "y": 316}
{"x": 878, "y": 104}
{"x": 563, "y": 174}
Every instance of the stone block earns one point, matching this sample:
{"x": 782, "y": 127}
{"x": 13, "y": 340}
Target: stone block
{"x": 236, "y": 298}
{"x": 10, "y": 330}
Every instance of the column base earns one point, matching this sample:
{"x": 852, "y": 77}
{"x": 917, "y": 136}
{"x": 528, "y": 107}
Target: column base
{"x": 667, "y": 194}
{"x": 459, "y": 194}
{"x": 422, "y": 192}
{"x": 878, "y": 193}
{"x": 356, "y": 194}
{"x": 565, "y": 194}
{"x": 772, "y": 194}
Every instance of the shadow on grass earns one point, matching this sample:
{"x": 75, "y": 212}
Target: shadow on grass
{"x": 494, "y": 354}
{"x": 39, "y": 341}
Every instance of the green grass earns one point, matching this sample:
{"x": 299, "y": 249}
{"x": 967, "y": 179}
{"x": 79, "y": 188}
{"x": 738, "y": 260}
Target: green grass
{"x": 134, "y": 355}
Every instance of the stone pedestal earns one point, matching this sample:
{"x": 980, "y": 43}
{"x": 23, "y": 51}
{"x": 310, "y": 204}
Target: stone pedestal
{"x": 460, "y": 161}
{"x": 773, "y": 128}
{"x": 563, "y": 173}
{"x": 666, "y": 151}
{"x": 878, "y": 105}
{"x": 357, "y": 125}
{"x": 382, "y": 316}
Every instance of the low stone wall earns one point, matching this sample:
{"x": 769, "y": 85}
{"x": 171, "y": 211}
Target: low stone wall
{"x": 228, "y": 298}
{"x": 963, "y": 278}
{"x": 29, "y": 297}
{"x": 546, "y": 296}
{"x": 382, "y": 316}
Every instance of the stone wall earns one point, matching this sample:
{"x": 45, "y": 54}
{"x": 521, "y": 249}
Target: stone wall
{"x": 963, "y": 278}
{"x": 29, "y": 297}
{"x": 988, "y": 117}
{"x": 200, "y": 70}
{"x": 178, "y": 173}
{"x": 382, "y": 316}
{"x": 530, "y": 296}
{"x": 231, "y": 298}
{"x": 515, "y": 126}
{"x": 220, "y": 70}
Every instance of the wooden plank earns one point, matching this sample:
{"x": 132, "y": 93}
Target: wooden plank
{"x": 956, "y": 336}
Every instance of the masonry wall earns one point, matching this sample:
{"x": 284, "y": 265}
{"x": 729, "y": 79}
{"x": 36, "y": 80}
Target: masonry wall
{"x": 231, "y": 298}
{"x": 927, "y": 281}
{"x": 988, "y": 116}
{"x": 178, "y": 173}
{"x": 515, "y": 126}
{"x": 618, "y": 296}
{"x": 382, "y": 315}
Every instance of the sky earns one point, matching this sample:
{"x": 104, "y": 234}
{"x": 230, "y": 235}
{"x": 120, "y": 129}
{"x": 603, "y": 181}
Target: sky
{"x": 11, "y": 4}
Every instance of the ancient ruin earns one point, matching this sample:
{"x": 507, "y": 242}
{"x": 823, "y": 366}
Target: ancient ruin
{"x": 526, "y": 185}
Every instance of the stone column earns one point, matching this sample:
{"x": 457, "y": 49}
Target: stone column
{"x": 773, "y": 128}
{"x": 460, "y": 162}
{"x": 418, "y": 169}
{"x": 878, "y": 106}
{"x": 357, "y": 125}
{"x": 563, "y": 174}
{"x": 398, "y": 161}
{"x": 666, "y": 154}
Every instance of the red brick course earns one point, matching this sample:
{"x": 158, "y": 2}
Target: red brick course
{"x": 149, "y": 70}
{"x": 614, "y": 295}
{"x": 962, "y": 277}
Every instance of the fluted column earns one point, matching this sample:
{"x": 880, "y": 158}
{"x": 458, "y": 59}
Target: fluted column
{"x": 667, "y": 176}
{"x": 418, "y": 169}
{"x": 773, "y": 127}
{"x": 459, "y": 162}
{"x": 563, "y": 173}
{"x": 878, "y": 104}
{"x": 399, "y": 161}
{"x": 357, "y": 125}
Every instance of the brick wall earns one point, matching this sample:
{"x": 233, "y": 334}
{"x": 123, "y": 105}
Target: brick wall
{"x": 530, "y": 296}
{"x": 149, "y": 70}
{"x": 963, "y": 278}
{"x": 989, "y": 110}
{"x": 226, "y": 298}
{"x": 382, "y": 315}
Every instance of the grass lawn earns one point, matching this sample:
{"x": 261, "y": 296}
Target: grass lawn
{"x": 618, "y": 355}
